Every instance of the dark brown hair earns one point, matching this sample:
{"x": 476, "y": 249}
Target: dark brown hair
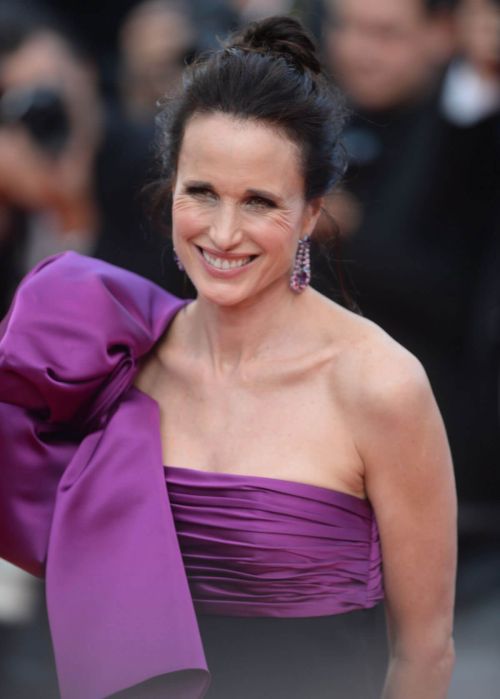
{"x": 269, "y": 72}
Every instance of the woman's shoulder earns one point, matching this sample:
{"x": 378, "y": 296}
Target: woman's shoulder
{"x": 372, "y": 369}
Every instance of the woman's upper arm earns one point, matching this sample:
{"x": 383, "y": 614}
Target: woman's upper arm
{"x": 410, "y": 482}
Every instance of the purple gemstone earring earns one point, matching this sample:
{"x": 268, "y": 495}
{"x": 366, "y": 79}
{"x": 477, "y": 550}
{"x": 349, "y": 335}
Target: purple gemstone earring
{"x": 178, "y": 262}
{"x": 301, "y": 273}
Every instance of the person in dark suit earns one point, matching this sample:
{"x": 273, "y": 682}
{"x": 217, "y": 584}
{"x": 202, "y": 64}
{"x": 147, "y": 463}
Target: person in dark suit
{"x": 419, "y": 198}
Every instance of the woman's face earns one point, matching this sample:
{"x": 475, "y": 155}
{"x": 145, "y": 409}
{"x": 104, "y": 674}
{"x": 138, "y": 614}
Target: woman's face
{"x": 238, "y": 208}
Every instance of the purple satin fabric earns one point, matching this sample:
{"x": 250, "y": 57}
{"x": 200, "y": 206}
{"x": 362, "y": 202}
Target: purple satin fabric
{"x": 82, "y": 487}
{"x": 259, "y": 546}
{"x": 84, "y": 500}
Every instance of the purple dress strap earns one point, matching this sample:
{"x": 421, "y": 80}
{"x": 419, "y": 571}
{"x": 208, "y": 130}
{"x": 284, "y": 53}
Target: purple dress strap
{"x": 82, "y": 490}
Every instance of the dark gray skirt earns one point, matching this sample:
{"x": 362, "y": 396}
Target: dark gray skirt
{"x": 343, "y": 656}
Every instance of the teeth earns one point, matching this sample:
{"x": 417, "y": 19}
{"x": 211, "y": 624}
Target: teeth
{"x": 224, "y": 263}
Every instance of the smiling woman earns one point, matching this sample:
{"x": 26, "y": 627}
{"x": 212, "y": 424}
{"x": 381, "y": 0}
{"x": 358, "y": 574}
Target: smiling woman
{"x": 244, "y": 229}
{"x": 307, "y": 469}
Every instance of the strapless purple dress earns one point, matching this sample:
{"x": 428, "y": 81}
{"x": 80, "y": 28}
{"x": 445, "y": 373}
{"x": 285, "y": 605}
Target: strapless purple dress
{"x": 164, "y": 582}
{"x": 272, "y": 567}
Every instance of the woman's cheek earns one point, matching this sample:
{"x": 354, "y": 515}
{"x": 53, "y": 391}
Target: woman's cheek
{"x": 187, "y": 222}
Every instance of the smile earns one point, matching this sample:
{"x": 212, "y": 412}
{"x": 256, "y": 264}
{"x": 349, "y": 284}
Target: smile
{"x": 223, "y": 263}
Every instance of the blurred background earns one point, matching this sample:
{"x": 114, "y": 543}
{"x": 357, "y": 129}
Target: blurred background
{"x": 418, "y": 219}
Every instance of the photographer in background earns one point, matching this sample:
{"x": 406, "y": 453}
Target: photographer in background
{"x": 419, "y": 203}
{"x": 51, "y": 126}
{"x": 71, "y": 167}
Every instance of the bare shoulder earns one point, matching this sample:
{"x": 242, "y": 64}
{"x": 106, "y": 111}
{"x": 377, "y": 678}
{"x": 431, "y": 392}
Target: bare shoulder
{"x": 393, "y": 416}
{"x": 392, "y": 380}
{"x": 378, "y": 377}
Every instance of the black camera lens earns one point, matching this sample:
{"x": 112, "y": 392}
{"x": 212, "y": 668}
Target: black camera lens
{"x": 42, "y": 112}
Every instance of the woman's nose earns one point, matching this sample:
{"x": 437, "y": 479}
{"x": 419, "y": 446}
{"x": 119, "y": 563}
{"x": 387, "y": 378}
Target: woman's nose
{"x": 225, "y": 230}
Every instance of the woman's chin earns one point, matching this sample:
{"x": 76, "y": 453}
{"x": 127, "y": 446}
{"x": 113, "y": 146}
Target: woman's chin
{"x": 227, "y": 294}
{"x": 224, "y": 298}
{"x": 233, "y": 293}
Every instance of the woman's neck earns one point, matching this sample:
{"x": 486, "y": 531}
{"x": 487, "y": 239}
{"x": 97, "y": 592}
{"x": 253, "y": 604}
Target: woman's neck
{"x": 234, "y": 336}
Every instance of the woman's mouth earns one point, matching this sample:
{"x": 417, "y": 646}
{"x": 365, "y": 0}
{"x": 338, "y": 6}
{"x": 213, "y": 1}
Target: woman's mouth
{"x": 225, "y": 263}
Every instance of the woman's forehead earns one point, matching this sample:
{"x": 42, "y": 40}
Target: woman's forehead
{"x": 221, "y": 146}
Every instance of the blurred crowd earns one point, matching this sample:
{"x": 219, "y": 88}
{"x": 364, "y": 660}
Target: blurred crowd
{"x": 416, "y": 219}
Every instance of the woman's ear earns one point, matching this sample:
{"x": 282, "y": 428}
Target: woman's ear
{"x": 312, "y": 214}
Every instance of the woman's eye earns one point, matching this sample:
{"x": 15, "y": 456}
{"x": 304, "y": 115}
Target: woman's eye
{"x": 261, "y": 203}
{"x": 201, "y": 193}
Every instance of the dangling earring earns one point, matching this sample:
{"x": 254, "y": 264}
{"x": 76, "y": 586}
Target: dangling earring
{"x": 178, "y": 262}
{"x": 301, "y": 272}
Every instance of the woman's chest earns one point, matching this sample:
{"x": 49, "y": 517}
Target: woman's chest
{"x": 279, "y": 424}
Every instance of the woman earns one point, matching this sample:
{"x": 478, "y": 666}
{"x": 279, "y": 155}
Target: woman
{"x": 298, "y": 441}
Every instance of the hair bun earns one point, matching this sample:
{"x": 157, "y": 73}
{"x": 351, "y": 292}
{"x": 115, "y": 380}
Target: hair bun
{"x": 280, "y": 35}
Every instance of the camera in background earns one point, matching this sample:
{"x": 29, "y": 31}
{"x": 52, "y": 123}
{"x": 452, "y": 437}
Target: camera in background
{"x": 42, "y": 112}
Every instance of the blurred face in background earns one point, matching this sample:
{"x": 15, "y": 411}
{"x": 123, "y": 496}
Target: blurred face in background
{"x": 154, "y": 40}
{"x": 478, "y": 25}
{"x": 385, "y": 53}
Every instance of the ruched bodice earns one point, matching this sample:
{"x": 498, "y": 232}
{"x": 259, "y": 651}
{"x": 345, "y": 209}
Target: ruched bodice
{"x": 260, "y": 546}
{"x": 83, "y": 502}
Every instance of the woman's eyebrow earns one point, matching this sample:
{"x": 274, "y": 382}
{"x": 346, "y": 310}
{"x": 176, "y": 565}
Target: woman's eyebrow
{"x": 198, "y": 183}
